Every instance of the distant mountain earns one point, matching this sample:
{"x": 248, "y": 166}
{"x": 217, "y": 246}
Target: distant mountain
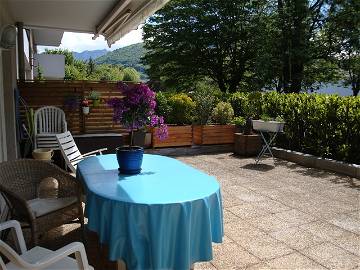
{"x": 86, "y": 55}
{"x": 129, "y": 56}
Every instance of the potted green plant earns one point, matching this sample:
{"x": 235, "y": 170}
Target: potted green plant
{"x": 179, "y": 109}
{"x": 221, "y": 131}
{"x": 248, "y": 106}
{"x": 240, "y": 123}
{"x": 95, "y": 97}
{"x": 135, "y": 110}
{"x": 269, "y": 124}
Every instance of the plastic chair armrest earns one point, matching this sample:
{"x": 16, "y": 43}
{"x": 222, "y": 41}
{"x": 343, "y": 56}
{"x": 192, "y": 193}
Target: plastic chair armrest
{"x": 14, "y": 224}
{"x": 94, "y": 152}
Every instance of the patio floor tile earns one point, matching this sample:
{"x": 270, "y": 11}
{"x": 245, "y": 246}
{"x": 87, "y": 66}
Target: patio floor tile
{"x": 230, "y": 200}
{"x": 272, "y": 206}
{"x": 229, "y": 217}
{"x": 266, "y": 248}
{"x": 295, "y": 217}
{"x": 232, "y": 256}
{"x": 259, "y": 266}
{"x": 332, "y": 257}
{"x": 247, "y": 210}
{"x": 204, "y": 266}
{"x": 349, "y": 242}
{"x": 346, "y": 222}
{"x": 275, "y": 217}
{"x": 297, "y": 238}
{"x": 269, "y": 223}
{"x": 324, "y": 230}
{"x": 243, "y": 232}
{"x": 294, "y": 261}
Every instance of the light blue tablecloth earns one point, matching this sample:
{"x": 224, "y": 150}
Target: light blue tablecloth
{"x": 164, "y": 218}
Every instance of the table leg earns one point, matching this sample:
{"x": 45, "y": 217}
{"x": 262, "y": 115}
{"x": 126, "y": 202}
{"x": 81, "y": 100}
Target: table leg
{"x": 120, "y": 265}
{"x": 266, "y": 147}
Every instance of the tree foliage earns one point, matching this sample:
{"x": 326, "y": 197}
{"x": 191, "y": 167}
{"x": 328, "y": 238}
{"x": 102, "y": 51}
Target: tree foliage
{"x": 287, "y": 45}
{"x": 343, "y": 38}
{"x": 88, "y": 70}
{"x": 192, "y": 39}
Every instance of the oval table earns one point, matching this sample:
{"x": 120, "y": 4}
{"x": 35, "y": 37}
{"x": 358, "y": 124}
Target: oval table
{"x": 166, "y": 217}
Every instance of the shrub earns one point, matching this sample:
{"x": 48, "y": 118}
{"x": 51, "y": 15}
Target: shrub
{"x": 223, "y": 113}
{"x": 240, "y": 103}
{"x": 182, "y": 109}
{"x": 162, "y": 105}
{"x": 204, "y": 97}
{"x": 322, "y": 125}
{"x": 131, "y": 75}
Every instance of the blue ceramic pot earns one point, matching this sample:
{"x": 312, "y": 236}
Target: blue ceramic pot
{"x": 129, "y": 159}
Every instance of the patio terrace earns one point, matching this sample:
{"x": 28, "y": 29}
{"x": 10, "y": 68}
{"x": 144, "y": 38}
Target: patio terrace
{"x": 276, "y": 217}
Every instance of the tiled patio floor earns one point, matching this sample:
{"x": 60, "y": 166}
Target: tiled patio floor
{"x": 276, "y": 217}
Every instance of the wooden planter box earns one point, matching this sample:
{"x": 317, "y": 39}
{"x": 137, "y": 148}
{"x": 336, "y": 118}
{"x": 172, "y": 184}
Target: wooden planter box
{"x": 178, "y": 136}
{"x": 213, "y": 134}
{"x": 247, "y": 145}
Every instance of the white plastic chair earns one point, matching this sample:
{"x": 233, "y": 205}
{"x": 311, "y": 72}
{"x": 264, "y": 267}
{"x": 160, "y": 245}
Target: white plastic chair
{"x": 70, "y": 151}
{"x": 48, "y": 121}
{"x": 39, "y": 257}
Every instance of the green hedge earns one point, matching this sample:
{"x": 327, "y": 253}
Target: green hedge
{"x": 177, "y": 108}
{"x": 323, "y": 125}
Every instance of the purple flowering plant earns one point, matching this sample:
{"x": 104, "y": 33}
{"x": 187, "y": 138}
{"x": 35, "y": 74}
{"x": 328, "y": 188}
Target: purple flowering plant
{"x": 136, "y": 110}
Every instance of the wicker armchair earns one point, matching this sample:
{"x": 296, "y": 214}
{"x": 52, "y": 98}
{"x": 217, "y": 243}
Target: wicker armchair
{"x": 20, "y": 184}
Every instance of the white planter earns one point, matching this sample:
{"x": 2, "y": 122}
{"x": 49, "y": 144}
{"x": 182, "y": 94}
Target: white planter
{"x": 86, "y": 110}
{"x": 268, "y": 126}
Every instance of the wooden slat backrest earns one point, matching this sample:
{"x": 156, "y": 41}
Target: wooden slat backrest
{"x": 69, "y": 149}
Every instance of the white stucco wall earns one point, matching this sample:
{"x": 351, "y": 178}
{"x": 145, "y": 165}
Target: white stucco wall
{"x": 8, "y": 147}
{"x": 52, "y": 65}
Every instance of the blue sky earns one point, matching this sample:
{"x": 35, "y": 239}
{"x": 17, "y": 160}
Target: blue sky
{"x": 79, "y": 42}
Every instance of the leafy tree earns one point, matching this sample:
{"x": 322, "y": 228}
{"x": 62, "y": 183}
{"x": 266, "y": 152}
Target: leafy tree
{"x": 192, "y": 39}
{"x": 90, "y": 66}
{"x": 204, "y": 97}
{"x": 298, "y": 33}
{"x": 106, "y": 72}
{"x": 343, "y": 37}
{"x": 81, "y": 70}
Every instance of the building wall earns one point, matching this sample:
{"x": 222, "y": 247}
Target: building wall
{"x": 52, "y": 66}
{"x": 8, "y": 71}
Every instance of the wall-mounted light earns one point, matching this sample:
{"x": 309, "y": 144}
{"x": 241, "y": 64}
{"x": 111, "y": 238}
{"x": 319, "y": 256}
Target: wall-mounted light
{"x": 8, "y": 36}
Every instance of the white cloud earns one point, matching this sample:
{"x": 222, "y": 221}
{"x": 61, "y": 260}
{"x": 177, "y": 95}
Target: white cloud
{"x": 79, "y": 42}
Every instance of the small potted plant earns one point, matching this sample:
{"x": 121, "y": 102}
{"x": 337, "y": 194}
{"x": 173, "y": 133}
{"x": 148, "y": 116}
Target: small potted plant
{"x": 85, "y": 106}
{"x": 95, "y": 97}
{"x": 221, "y": 131}
{"x": 134, "y": 111}
{"x": 269, "y": 124}
{"x": 239, "y": 123}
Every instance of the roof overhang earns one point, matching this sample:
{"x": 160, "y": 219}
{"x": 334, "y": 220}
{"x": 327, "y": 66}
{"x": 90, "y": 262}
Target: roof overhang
{"x": 47, "y": 37}
{"x": 110, "y": 18}
{"x": 127, "y": 15}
